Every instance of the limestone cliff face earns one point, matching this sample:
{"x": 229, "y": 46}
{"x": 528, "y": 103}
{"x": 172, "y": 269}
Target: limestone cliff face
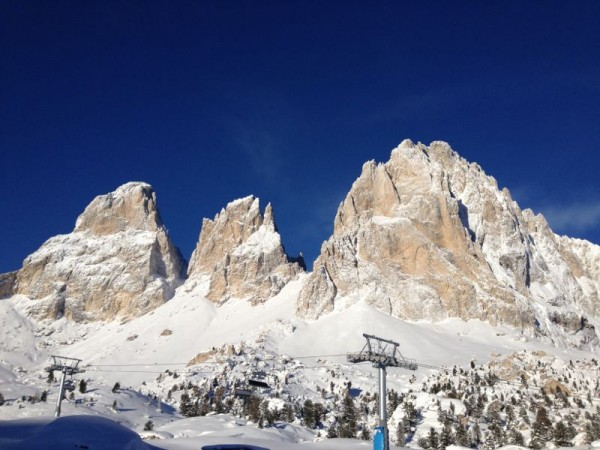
{"x": 241, "y": 254}
{"x": 428, "y": 235}
{"x": 119, "y": 262}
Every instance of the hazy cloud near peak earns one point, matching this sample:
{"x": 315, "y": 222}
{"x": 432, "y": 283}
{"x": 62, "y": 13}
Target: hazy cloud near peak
{"x": 577, "y": 217}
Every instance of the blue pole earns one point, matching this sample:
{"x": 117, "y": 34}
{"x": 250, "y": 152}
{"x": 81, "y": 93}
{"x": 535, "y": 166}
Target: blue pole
{"x": 379, "y": 438}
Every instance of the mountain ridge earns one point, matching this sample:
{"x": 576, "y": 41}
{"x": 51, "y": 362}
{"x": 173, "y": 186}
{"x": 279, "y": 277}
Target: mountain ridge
{"x": 426, "y": 235}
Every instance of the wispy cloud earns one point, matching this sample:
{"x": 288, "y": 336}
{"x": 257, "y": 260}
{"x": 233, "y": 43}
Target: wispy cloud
{"x": 579, "y": 217}
{"x": 261, "y": 148}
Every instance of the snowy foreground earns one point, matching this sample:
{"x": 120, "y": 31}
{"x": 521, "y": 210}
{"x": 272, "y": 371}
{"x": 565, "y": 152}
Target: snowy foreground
{"x": 189, "y": 346}
{"x": 209, "y": 433}
{"x": 92, "y": 432}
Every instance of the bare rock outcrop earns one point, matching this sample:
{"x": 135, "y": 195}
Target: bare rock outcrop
{"x": 241, "y": 254}
{"x": 119, "y": 262}
{"x": 428, "y": 235}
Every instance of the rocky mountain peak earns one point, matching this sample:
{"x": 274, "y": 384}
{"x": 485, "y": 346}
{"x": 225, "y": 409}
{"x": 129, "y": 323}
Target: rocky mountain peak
{"x": 241, "y": 253}
{"x": 119, "y": 262}
{"x": 428, "y": 235}
{"x": 132, "y": 206}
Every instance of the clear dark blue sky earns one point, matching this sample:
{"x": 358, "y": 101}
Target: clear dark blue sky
{"x": 214, "y": 100}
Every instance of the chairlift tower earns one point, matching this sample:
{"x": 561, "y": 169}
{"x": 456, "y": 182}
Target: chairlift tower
{"x": 68, "y": 366}
{"x": 382, "y": 353}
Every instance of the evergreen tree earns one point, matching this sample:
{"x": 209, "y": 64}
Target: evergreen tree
{"x": 116, "y": 387}
{"x": 319, "y": 413}
{"x": 563, "y": 434}
{"x": 541, "y": 429}
{"x": 333, "y": 431}
{"x": 410, "y": 413}
{"x": 1, "y": 399}
{"x": 592, "y": 427}
{"x": 287, "y": 413}
{"x": 365, "y": 434}
{"x": 149, "y": 426}
{"x": 186, "y": 407}
{"x": 308, "y": 414}
{"x": 475, "y": 435}
{"x": 252, "y": 408}
{"x": 460, "y": 436}
{"x": 402, "y": 431}
{"x": 82, "y": 386}
{"x": 515, "y": 437}
{"x": 433, "y": 438}
{"x": 348, "y": 421}
{"x": 446, "y": 436}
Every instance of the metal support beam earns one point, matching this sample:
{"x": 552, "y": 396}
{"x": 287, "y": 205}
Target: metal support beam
{"x": 382, "y": 353}
{"x": 67, "y": 366}
{"x": 61, "y": 391}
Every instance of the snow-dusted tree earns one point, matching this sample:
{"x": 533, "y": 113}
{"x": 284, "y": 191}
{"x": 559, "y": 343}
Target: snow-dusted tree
{"x": 252, "y": 408}
{"x": 563, "y": 434}
{"x": 515, "y": 437}
{"x": 433, "y": 438}
{"x": 447, "y": 436}
{"x": 475, "y": 435}
{"x": 365, "y": 434}
{"x": 592, "y": 427}
{"x": 348, "y": 421}
{"x": 541, "y": 429}
{"x": 149, "y": 426}
{"x": 461, "y": 436}
{"x": 287, "y": 413}
{"x": 308, "y": 414}
{"x": 186, "y": 407}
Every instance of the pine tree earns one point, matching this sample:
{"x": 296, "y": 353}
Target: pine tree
{"x": 401, "y": 431}
{"x": 460, "y": 436}
{"x": 433, "y": 438}
{"x": 541, "y": 430}
{"x": 446, "y": 436}
{"x": 365, "y": 434}
{"x": 116, "y": 387}
{"x": 308, "y": 414}
{"x": 348, "y": 421}
{"x": 562, "y": 434}
{"x": 515, "y": 437}
{"x": 186, "y": 407}
{"x": 475, "y": 435}
{"x": 287, "y": 413}
{"x": 592, "y": 427}
{"x": 149, "y": 426}
{"x": 252, "y": 408}
{"x": 82, "y": 386}
{"x": 333, "y": 431}
{"x": 1, "y": 399}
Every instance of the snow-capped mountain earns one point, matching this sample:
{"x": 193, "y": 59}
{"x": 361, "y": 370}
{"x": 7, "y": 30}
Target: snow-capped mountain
{"x": 428, "y": 235}
{"x": 426, "y": 251}
{"x": 241, "y": 253}
{"x": 118, "y": 262}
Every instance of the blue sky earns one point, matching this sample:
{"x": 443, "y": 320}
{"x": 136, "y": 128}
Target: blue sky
{"x": 210, "y": 101}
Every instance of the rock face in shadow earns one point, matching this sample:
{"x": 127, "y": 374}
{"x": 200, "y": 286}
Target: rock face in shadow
{"x": 241, "y": 255}
{"x": 119, "y": 262}
{"x": 428, "y": 235}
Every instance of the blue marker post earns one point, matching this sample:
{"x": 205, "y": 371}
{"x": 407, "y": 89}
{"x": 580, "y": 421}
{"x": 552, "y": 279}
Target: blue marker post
{"x": 379, "y": 438}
